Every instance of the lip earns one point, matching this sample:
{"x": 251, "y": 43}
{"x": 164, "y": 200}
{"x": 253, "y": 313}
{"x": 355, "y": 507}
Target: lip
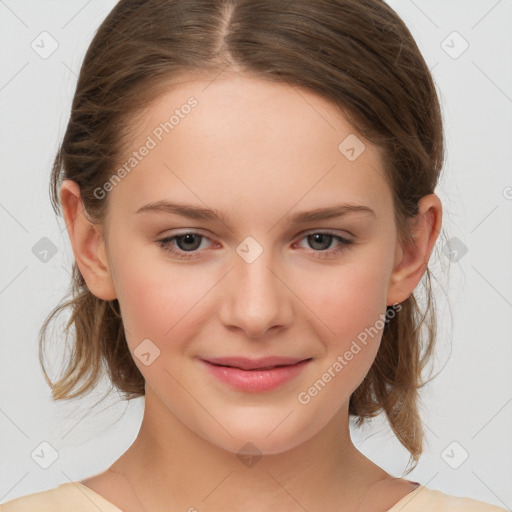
{"x": 245, "y": 363}
{"x": 255, "y": 375}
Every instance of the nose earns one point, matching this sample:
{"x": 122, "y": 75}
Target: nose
{"x": 255, "y": 297}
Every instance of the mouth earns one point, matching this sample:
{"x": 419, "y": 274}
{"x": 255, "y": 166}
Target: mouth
{"x": 255, "y": 375}
{"x": 264, "y": 363}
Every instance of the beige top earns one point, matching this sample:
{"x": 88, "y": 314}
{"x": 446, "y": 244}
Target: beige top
{"x": 76, "y": 497}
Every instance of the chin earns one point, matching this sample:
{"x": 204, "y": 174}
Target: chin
{"x": 262, "y": 436}
{"x": 247, "y": 445}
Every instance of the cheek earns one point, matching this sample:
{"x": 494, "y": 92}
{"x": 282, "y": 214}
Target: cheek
{"x": 349, "y": 299}
{"x": 157, "y": 301}
{"x": 162, "y": 305}
{"x": 352, "y": 303}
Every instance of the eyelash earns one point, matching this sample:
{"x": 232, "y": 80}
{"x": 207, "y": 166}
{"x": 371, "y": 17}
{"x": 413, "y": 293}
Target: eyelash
{"x": 165, "y": 244}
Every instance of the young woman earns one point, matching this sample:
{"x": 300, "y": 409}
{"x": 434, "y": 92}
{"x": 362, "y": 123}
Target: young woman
{"x": 248, "y": 188}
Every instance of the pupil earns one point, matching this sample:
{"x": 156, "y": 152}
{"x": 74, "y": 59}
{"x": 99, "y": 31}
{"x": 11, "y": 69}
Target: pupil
{"x": 317, "y": 238}
{"x": 188, "y": 239}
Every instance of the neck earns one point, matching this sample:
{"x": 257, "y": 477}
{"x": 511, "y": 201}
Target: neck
{"x": 170, "y": 467}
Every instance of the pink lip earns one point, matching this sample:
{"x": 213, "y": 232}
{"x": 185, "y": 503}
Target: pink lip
{"x": 245, "y": 363}
{"x": 255, "y": 375}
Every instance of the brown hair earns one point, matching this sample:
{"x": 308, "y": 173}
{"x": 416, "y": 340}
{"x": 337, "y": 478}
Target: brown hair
{"x": 358, "y": 54}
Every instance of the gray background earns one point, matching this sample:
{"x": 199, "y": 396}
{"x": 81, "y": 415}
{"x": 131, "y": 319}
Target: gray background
{"x": 467, "y": 409}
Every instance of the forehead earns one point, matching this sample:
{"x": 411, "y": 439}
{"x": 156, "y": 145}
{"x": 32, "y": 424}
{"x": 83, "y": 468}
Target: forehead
{"x": 269, "y": 142}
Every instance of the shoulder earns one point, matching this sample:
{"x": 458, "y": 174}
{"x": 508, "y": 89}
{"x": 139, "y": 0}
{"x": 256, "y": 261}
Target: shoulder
{"x": 423, "y": 499}
{"x": 44, "y": 500}
{"x": 70, "y": 495}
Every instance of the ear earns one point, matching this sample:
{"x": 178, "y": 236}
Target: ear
{"x": 87, "y": 242}
{"x": 412, "y": 257}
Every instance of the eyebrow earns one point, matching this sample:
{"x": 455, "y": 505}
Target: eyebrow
{"x": 198, "y": 213}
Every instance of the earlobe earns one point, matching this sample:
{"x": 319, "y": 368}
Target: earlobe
{"x": 87, "y": 243}
{"x": 414, "y": 255}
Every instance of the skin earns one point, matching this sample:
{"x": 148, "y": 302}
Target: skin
{"x": 258, "y": 152}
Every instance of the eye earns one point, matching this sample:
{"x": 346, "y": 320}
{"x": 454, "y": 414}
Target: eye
{"x": 320, "y": 241}
{"x": 186, "y": 243}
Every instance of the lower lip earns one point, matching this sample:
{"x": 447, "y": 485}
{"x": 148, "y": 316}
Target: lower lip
{"x": 256, "y": 380}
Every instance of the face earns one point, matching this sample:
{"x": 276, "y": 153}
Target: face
{"x": 254, "y": 279}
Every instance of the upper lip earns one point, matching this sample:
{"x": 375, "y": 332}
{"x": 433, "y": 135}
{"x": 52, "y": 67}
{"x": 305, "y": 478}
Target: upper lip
{"x": 245, "y": 363}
